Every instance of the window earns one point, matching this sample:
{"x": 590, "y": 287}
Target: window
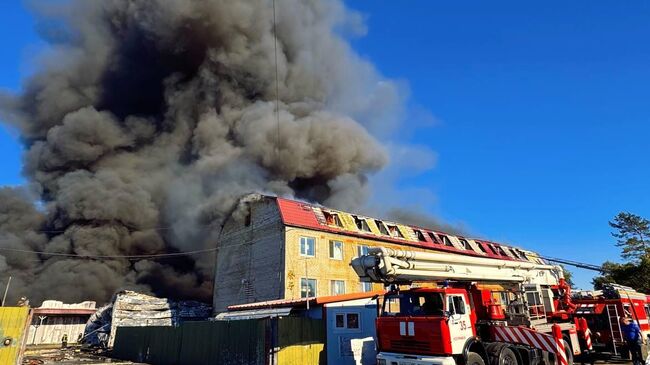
{"x": 307, "y": 287}
{"x": 362, "y": 250}
{"x": 382, "y": 227}
{"x": 522, "y": 255}
{"x": 647, "y": 311}
{"x": 394, "y": 231}
{"x": 247, "y": 219}
{"x": 627, "y": 310}
{"x": 494, "y": 250}
{"x": 419, "y": 235}
{"x": 414, "y": 304}
{"x": 337, "y": 287}
{"x": 336, "y": 250}
{"x": 366, "y": 287}
{"x": 332, "y": 219}
{"x": 361, "y": 224}
{"x": 353, "y": 320}
{"x": 307, "y": 246}
{"x": 340, "y": 320}
{"x": 433, "y": 237}
{"x": 480, "y": 246}
{"x": 465, "y": 244}
{"x": 456, "y": 305}
{"x": 347, "y": 320}
{"x": 445, "y": 240}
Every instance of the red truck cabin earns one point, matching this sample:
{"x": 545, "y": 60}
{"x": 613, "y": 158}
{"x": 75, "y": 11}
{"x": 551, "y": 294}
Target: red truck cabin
{"x": 426, "y": 321}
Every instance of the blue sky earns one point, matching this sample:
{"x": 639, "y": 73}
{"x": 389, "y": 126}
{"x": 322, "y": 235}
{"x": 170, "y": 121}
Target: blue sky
{"x": 541, "y": 107}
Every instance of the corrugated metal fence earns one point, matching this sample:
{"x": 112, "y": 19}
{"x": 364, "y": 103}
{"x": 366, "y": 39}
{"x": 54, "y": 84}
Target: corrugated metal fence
{"x": 13, "y": 329}
{"x": 263, "y": 341}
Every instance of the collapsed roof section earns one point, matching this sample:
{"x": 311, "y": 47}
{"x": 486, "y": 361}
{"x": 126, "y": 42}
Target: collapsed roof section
{"x": 305, "y": 215}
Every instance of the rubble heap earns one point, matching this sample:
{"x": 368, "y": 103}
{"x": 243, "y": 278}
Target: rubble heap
{"x": 131, "y": 309}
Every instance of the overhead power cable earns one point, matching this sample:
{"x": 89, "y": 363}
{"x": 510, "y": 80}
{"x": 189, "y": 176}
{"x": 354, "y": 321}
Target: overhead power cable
{"x": 109, "y": 257}
{"x": 156, "y": 228}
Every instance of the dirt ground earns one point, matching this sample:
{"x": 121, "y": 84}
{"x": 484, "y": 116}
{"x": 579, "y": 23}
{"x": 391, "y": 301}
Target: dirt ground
{"x": 69, "y": 356}
{"x": 75, "y": 356}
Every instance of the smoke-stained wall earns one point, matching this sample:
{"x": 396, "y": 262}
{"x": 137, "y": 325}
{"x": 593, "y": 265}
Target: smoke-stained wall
{"x": 145, "y": 121}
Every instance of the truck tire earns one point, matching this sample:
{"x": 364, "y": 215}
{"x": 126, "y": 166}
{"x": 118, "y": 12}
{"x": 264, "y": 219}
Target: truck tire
{"x": 507, "y": 357}
{"x": 474, "y": 359}
{"x": 568, "y": 352}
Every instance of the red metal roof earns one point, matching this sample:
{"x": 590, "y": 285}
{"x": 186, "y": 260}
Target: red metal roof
{"x": 301, "y": 214}
{"x": 64, "y": 311}
{"x": 303, "y": 301}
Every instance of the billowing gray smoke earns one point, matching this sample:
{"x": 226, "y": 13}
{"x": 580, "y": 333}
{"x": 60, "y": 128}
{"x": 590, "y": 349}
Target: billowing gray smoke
{"x": 148, "y": 119}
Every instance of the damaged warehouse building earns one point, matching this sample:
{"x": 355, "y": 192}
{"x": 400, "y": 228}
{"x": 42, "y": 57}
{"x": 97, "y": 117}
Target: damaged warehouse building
{"x": 274, "y": 248}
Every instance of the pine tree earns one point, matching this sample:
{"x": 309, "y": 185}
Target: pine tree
{"x": 632, "y": 235}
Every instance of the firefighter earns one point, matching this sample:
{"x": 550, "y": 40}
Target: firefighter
{"x": 64, "y": 341}
{"x": 634, "y": 339}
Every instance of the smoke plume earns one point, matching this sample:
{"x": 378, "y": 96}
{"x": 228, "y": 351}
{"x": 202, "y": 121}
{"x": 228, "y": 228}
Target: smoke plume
{"x": 147, "y": 120}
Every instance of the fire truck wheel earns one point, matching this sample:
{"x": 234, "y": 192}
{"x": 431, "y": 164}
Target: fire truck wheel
{"x": 507, "y": 357}
{"x": 474, "y": 359}
{"x": 568, "y": 352}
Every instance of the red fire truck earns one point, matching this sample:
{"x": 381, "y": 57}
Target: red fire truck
{"x": 602, "y": 311}
{"x": 471, "y": 310}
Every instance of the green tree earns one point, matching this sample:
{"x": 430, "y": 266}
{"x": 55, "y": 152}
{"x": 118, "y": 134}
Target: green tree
{"x": 632, "y": 274}
{"x": 568, "y": 276}
{"x": 632, "y": 233}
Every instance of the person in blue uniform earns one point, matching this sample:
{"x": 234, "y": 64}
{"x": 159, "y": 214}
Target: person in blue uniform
{"x": 633, "y": 338}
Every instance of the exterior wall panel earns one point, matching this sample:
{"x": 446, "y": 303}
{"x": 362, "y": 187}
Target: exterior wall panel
{"x": 250, "y": 265}
{"x": 321, "y": 267}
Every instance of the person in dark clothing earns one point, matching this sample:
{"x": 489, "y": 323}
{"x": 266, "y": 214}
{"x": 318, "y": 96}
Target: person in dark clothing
{"x": 634, "y": 339}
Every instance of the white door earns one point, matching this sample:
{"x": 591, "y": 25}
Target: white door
{"x": 460, "y": 327}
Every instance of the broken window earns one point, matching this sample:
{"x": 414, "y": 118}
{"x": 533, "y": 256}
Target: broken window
{"x": 382, "y": 227}
{"x": 480, "y": 246}
{"x": 494, "y": 250}
{"x": 394, "y": 232}
{"x": 434, "y": 238}
{"x": 465, "y": 244}
{"x": 419, "y": 235}
{"x": 522, "y": 255}
{"x": 361, "y": 224}
{"x": 247, "y": 219}
{"x": 445, "y": 240}
{"x": 333, "y": 219}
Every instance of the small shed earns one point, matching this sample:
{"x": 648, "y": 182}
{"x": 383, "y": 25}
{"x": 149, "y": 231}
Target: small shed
{"x": 53, "y": 319}
{"x": 349, "y": 322}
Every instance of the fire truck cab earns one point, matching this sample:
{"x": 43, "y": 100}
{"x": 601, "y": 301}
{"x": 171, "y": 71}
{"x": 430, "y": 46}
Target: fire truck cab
{"x": 436, "y": 323}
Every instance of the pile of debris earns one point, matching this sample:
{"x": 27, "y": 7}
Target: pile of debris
{"x": 68, "y": 356}
{"x": 131, "y": 309}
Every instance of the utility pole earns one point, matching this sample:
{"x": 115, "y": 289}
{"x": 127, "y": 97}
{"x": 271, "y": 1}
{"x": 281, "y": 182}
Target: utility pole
{"x": 307, "y": 282}
{"x": 4, "y": 297}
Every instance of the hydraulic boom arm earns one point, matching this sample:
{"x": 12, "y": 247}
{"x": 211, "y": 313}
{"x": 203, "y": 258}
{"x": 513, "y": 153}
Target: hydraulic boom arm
{"x": 386, "y": 265}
